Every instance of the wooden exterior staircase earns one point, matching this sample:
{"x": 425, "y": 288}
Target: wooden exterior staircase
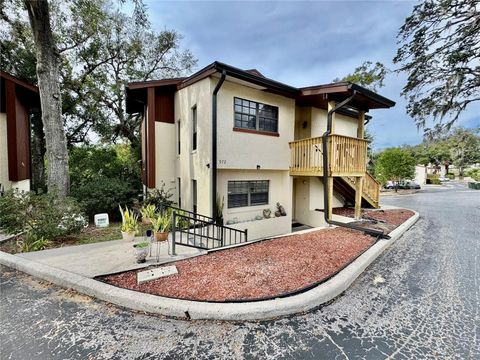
{"x": 347, "y": 163}
{"x": 345, "y": 186}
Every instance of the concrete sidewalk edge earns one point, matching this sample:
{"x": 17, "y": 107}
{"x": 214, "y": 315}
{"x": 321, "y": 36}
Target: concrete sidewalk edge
{"x": 260, "y": 310}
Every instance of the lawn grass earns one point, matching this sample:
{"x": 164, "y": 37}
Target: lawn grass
{"x": 88, "y": 235}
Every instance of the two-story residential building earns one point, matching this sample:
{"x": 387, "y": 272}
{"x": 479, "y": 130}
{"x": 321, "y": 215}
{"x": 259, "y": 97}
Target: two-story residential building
{"x": 237, "y": 136}
{"x": 17, "y": 101}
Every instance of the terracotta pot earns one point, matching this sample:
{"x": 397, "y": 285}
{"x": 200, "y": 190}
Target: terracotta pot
{"x": 161, "y": 236}
{"x": 128, "y": 236}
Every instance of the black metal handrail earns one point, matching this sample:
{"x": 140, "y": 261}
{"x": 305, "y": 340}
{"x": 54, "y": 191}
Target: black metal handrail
{"x": 202, "y": 234}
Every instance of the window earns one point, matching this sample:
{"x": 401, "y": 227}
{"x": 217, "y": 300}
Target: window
{"x": 194, "y": 127}
{"x": 247, "y": 193}
{"x": 255, "y": 116}
{"x": 179, "y": 192}
{"x": 178, "y": 137}
{"x": 194, "y": 196}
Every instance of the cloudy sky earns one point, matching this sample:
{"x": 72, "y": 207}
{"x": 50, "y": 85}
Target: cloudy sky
{"x": 302, "y": 43}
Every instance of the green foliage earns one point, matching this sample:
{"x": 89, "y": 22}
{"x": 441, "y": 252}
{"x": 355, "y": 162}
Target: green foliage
{"x": 474, "y": 174}
{"x": 129, "y": 220}
{"x": 439, "y": 52}
{"x": 142, "y": 245}
{"x": 160, "y": 197}
{"x": 102, "y": 48}
{"x": 395, "y": 164}
{"x": 368, "y": 75}
{"x": 451, "y": 176}
{"x": 31, "y": 242}
{"x": 148, "y": 211}
{"x": 162, "y": 222}
{"x": 103, "y": 177}
{"x": 46, "y": 216}
{"x": 464, "y": 147}
{"x": 435, "y": 181}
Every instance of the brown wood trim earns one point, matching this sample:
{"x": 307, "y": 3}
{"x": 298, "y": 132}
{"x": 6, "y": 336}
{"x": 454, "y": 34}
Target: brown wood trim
{"x": 258, "y": 132}
{"x": 154, "y": 83}
{"x": 18, "y": 81}
{"x": 150, "y": 137}
{"x": 195, "y": 78}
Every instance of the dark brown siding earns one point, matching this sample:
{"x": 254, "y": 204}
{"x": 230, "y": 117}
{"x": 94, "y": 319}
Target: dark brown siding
{"x": 150, "y": 137}
{"x": 18, "y": 139}
{"x": 164, "y": 105}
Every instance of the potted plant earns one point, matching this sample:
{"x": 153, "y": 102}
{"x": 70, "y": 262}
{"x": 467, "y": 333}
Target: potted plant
{"x": 141, "y": 251}
{"x": 161, "y": 225}
{"x": 129, "y": 224}
{"x": 148, "y": 213}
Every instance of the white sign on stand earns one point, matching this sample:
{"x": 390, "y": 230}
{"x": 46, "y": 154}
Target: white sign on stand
{"x": 101, "y": 220}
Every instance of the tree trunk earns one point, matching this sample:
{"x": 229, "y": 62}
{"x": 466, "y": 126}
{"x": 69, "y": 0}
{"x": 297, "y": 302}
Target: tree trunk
{"x": 38, "y": 154}
{"x": 50, "y": 96}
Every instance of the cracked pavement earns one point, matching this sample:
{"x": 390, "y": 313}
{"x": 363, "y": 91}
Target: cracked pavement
{"x": 418, "y": 300}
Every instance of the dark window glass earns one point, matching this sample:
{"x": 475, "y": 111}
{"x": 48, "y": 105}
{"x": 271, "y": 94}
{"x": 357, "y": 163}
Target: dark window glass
{"x": 247, "y": 193}
{"x": 255, "y": 116}
{"x": 194, "y": 127}
{"x": 179, "y": 193}
{"x": 194, "y": 196}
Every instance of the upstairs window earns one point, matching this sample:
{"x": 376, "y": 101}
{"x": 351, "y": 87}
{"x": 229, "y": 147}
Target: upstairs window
{"x": 194, "y": 127}
{"x": 255, "y": 116}
{"x": 247, "y": 193}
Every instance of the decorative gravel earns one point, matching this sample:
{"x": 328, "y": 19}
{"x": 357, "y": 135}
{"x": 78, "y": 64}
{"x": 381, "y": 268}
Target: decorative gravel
{"x": 261, "y": 270}
{"x": 392, "y": 217}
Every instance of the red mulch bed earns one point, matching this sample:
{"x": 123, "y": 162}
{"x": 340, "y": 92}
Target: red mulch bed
{"x": 260, "y": 270}
{"x": 394, "y": 217}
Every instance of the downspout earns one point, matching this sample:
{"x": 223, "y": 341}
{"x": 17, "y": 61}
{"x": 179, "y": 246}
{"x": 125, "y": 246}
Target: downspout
{"x": 326, "y": 204}
{"x": 214, "y": 144}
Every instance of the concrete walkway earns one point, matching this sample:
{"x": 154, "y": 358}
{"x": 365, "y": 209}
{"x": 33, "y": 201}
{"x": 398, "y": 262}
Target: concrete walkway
{"x": 104, "y": 258}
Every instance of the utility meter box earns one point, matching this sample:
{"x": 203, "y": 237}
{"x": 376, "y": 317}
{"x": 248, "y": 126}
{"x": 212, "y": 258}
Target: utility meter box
{"x": 101, "y": 220}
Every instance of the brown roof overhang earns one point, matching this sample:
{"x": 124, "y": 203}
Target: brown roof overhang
{"x": 365, "y": 99}
{"x": 19, "y": 82}
{"x": 316, "y": 96}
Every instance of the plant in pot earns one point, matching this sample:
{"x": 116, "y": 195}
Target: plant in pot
{"x": 129, "y": 224}
{"x": 161, "y": 226}
{"x": 141, "y": 251}
{"x": 148, "y": 213}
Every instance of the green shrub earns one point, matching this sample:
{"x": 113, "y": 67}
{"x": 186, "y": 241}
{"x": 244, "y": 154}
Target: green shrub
{"x": 161, "y": 198}
{"x": 435, "y": 181}
{"x": 451, "y": 176}
{"x": 102, "y": 177}
{"x": 474, "y": 174}
{"x": 103, "y": 195}
{"x": 39, "y": 215}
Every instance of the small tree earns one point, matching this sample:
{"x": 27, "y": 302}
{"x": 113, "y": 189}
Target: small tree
{"x": 464, "y": 148}
{"x": 368, "y": 75}
{"x": 395, "y": 164}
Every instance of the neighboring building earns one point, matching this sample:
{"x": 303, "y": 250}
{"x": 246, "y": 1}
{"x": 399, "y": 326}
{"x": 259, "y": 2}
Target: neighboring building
{"x": 18, "y": 100}
{"x": 255, "y": 142}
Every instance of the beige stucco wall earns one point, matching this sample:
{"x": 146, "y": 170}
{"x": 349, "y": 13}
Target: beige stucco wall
{"x": 4, "y": 152}
{"x": 342, "y": 125}
{"x": 165, "y": 155}
{"x": 191, "y": 164}
{"x": 238, "y": 150}
{"x": 421, "y": 174}
{"x": 308, "y": 192}
{"x": 280, "y": 190}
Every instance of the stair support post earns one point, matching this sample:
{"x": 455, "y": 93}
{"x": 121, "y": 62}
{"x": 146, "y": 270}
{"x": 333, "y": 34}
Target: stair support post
{"x": 358, "y": 196}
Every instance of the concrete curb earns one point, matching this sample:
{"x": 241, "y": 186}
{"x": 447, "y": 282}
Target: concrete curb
{"x": 259, "y": 310}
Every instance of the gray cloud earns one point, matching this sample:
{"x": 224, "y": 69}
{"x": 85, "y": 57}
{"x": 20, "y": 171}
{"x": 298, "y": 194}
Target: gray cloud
{"x": 301, "y": 43}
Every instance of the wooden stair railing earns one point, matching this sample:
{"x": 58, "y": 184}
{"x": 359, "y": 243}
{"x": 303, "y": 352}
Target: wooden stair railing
{"x": 371, "y": 188}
